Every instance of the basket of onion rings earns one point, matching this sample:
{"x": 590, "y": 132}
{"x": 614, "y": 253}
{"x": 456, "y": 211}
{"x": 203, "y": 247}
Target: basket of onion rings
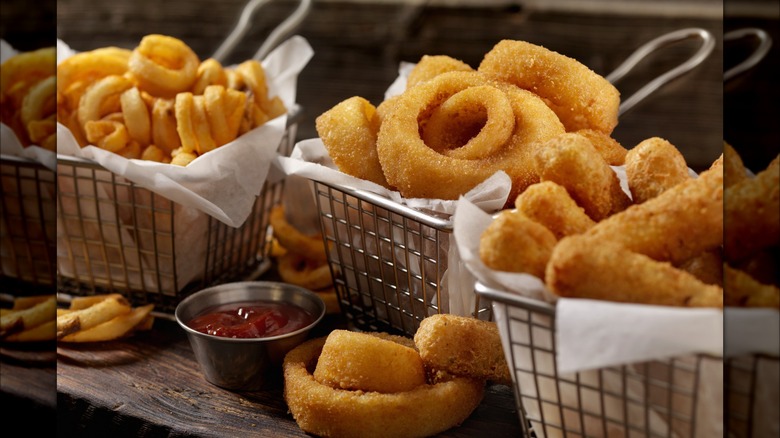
{"x": 164, "y": 171}
{"x": 387, "y": 178}
{"x": 27, "y": 166}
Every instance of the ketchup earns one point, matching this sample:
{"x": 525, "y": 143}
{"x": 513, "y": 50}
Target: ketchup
{"x": 251, "y": 320}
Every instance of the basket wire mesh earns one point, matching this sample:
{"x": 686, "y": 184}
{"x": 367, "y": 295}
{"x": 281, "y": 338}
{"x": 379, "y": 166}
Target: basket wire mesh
{"x": 742, "y": 378}
{"x": 388, "y": 261}
{"x": 657, "y": 398}
{"x": 115, "y": 236}
{"x": 27, "y": 233}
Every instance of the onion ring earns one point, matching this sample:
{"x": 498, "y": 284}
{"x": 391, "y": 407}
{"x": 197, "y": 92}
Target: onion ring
{"x": 298, "y": 270}
{"x": 463, "y": 346}
{"x": 163, "y": 65}
{"x": 349, "y": 361}
{"x": 324, "y": 411}
{"x": 40, "y": 101}
{"x": 421, "y": 172}
{"x": 21, "y": 71}
{"x": 310, "y": 247}
{"x": 431, "y": 66}
{"x": 136, "y": 114}
{"x": 581, "y": 98}
{"x": 223, "y": 113}
{"x": 349, "y": 132}
{"x": 472, "y": 124}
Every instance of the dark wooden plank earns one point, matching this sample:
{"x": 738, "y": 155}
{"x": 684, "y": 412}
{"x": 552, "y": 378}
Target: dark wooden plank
{"x": 150, "y": 385}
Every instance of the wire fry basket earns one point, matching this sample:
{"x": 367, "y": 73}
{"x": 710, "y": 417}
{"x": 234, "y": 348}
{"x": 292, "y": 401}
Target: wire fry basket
{"x": 115, "y": 236}
{"x": 389, "y": 261}
{"x": 28, "y": 227}
{"x": 658, "y": 398}
{"x": 744, "y": 377}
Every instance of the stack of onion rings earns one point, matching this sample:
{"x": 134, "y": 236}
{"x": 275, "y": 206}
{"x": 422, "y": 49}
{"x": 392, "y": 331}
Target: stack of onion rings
{"x": 323, "y": 410}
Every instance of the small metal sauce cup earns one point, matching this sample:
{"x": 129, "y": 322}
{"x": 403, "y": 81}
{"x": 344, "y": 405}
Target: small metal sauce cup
{"x": 242, "y": 364}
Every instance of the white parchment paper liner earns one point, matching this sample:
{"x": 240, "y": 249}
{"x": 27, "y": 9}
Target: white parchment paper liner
{"x": 223, "y": 184}
{"x": 38, "y": 205}
{"x": 310, "y": 160}
{"x": 592, "y": 335}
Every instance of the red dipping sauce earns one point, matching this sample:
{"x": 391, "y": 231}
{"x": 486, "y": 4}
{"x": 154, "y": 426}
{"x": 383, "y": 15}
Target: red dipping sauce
{"x": 255, "y": 319}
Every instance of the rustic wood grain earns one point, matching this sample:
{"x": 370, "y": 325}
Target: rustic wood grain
{"x": 150, "y": 385}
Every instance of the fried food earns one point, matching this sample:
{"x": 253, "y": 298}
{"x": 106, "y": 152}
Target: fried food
{"x": 550, "y": 205}
{"x": 302, "y": 260}
{"x": 349, "y": 132}
{"x": 322, "y": 410}
{"x": 742, "y": 290}
{"x": 462, "y": 346}
{"x": 164, "y": 98}
{"x": 707, "y": 266}
{"x": 28, "y": 314}
{"x": 675, "y": 226}
{"x": 584, "y": 267}
{"x": 652, "y": 167}
{"x": 610, "y": 150}
{"x": 431, "y": 66}
{"x": 572, "y": 161}
{"x": 515, "y": 243}
{"x": 733, "y": 167}
{"x": 349, "y": 361}
{"x": 581, "y": 98}
{"x": 100, "y": 318}
{"x": 28, "y": 101}
{"x": 752, "y": 213}
{"x": 418, "y": 171}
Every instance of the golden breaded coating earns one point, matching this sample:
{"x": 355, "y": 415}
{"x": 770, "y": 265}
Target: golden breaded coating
{"x": 515, "y": 243}
{"x": 462, "y": 346}
{"x": 752, "y": 213}
{"x": 674, "y": 226}
{"x": 349, "y": 132}
{"x": 610, "y": 149}
{"x": 652, "y": 167}
{"x": 349, "y": 361}
{"x": 584, "y": 267}
{"x": 431, "y": 66}
{"x": 733, "y": 168}
{"x": 549, "y": 204}
{"x": 572, "y": 161}
{"x": 707, "y": 266}
{"x": 742, "y": 290}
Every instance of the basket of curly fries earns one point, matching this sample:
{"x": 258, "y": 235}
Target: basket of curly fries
{"x": 27, "y": 164}
{"x": 164, "y": 165}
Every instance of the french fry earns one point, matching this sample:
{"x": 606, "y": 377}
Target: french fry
{"x": 78, "y": 303}
{"x": 20, "y": 320}
{"x": 21, "y": 303}
{"x": 112, "y": 329}
{"x": 84, "y": 319}
{"x": 43, "y": 332}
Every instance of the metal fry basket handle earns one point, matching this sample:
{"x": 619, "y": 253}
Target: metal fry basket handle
{"x": 274, "y": 38}
{"x": 708, "y": 44}
{"x": 760, "y": 52}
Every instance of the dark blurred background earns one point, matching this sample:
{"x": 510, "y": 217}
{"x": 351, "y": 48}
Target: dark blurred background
{"x": 359, "y": 44}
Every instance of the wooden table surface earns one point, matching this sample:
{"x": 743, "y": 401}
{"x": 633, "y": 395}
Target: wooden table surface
{"x": 151, "y": 386}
